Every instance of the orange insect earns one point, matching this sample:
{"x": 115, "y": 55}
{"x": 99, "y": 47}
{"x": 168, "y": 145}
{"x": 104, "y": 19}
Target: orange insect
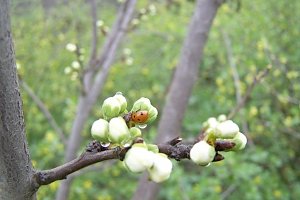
{"x": 139, "y": 116}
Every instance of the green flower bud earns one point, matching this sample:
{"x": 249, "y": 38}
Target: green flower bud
{"x": 118, "y": 131}
{"x": 141, "y": 104}
{"x": 240, "y": 141}
{"x": 122, "y": 101}
{"x": 161, "y": 169}
{"x": 135, "y": 132}
{"x": 202, "y": 153}
{"x": 222, "y": 118}
{"x": 153, "y": 148}
{"x": 144, "y": 104}
{"x": 152, "y": 114}
{"x": 227, "y": 129}
{"x": 111, "y": 107}
{"x": 99, "y": 130}
{"x": 138, "y": 158}
{"x": 210, "y": 123}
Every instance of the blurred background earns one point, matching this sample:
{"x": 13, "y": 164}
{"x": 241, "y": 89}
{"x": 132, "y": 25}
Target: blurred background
{"x": 53, "y": 43}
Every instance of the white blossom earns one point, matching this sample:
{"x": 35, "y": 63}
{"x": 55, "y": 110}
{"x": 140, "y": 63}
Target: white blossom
{"x": 118, "y": 130}
{"x": 240, "y": 141}
{"x": 99, "y": 130}
{"x": 161, "y": 169}
{"x": 111, "y": 107}
{"x": 227, "y": 129}
{"x": 202, "y": 153}
{"x": 71, "y": 47}
{"x": 138, "y": 158}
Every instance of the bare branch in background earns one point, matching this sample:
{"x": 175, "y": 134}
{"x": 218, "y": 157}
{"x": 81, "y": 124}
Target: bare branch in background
{"x": 96, "y": 72}
{"x": 184, "y": 78}
{"x": 94, "y": 43}
{"x": 93, "y": 80}
{"x": 228, "y": 191}
{"x": 256, "y": 79}
{"x": 236, "y": 78}
{"x": 44, "y": 110}
{"x": 232, "y": 64}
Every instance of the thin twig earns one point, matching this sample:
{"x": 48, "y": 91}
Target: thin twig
{"x": 94, "y": 44}
{"x": 257, "y": 78}
{"x": 236, "y": 78}
{"x": 232, "y": 64}
{"x": 44, "y": 110}
{"x": 228, "y": 191}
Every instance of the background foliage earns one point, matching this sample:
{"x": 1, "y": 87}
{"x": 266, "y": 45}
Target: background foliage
{"x": 262, "y": 33}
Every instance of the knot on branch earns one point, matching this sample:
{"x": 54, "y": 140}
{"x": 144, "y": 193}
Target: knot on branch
{"x": 95, "y": 146}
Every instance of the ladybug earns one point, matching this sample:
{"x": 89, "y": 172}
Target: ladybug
{"x": 139, "y": 116}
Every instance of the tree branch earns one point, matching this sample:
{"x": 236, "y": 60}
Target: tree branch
{"x": 236, "y": 79}
{"x": 93, "y": 168}
{"x": 95, "y": 153}
{"x": 257, "y": 78}
{"x": 44, "y": 110}
{"x": 232, "y": 64}
{"x": 94, "y": 45}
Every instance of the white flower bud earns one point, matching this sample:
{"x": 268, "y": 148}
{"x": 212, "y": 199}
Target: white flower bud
{"x": 141, "y": 104}
{"x": 202, "y": 153}
{"x": 227, "y": 129}
{"x": 111, "y": 107}
{"x": 240, "y": 141}
{"x": 122, "y": 101}
{"x": 135, "y": 132}
{"x": 99, "y": 130}
{"x": 161, "y": 169}
{"x": 71, "y": 47}
{"x": 118, "y": 130}
{"x": 75, "y": 65}
{"x": 222, "y": 118}
{"x": 138, "y": 158}
{"x": 153, "y": 148}
{"x": 152, "y": 114}
{"x": 212, "y": 122}
{"x": 144, "y": 104}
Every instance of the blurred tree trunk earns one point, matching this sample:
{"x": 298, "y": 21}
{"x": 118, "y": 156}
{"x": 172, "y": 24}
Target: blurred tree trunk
{"x": 48, "y": 5}
{"x": 182, "y": 83}
{"x": 15, "y": 164}
{"x": 94, "y": 82}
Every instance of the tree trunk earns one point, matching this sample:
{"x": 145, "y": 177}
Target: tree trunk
{"x": 181, "y": 87}
{"x": 15, "y": 164}
{"x": 48, "y": 5}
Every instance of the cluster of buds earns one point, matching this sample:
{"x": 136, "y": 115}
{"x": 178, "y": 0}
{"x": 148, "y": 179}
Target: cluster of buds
{"x": 118, "y": 126}
{"x": 141, "y": 157}
{"x": 221, "y": 129}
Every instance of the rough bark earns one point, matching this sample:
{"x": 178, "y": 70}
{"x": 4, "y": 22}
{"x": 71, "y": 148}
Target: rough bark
{"x": 181, "y": 87}
{"x": 15, "y": 164}
{"x": 93, "y": 80}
